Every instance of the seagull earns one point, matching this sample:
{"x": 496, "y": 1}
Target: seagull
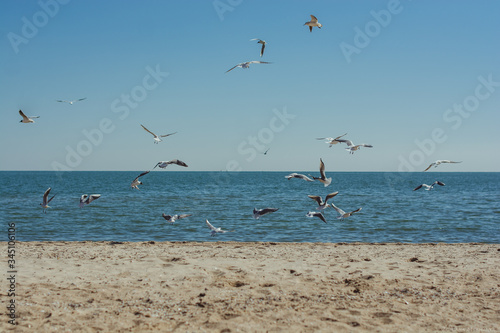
{"x": 332, "y": 141}
{"x": 136, "y": 182}
{"x": 428, "y": 187}
{"x": 45, "y": 202}
{"x": 263, "y": 42}
{"x": 298, "y": 175}
{"x": 313, "y": 23}
{"x": 265, "y": 153}
{"x": 214, "y": 231}
{"x": 323, "y": 179}
{"x": 323, "y": 204}
{"x": 248, "y": 63}
{"x": 435, "y": 164}
{"x": 164, "y": 164}
{"x": 87, "y": 199}
{"x": 351, "y": 147}
{"x": 71, "y": 102}
{"x": 156, "y": 137}
{"x": 26, "y": 119}
{"x": 316, "y": 214}
{"x": 343, "y": 214}
{"x": 260, "y": 212}
{"x": 173, "y": 218}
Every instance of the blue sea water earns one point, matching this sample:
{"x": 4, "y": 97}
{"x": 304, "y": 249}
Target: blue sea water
{"x": 467, "y": 209}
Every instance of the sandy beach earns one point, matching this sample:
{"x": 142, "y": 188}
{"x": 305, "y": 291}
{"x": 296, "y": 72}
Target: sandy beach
{"x": 253, "y": 287}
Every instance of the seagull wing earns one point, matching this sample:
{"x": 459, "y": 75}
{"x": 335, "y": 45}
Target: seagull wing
{"x": 321, "y": 216}
{"x": 418, "y": 187}
{"x": 313, "y": 19}
{"x": 317, "y": 198}
{"x": 167, "y": 135}
{"x": 81, "y": 99}
{"x": 148, "y": 130}
{"x": 340, "y": 211}
{"x": 178, "y": 162}
{"x": 331, "y": 195}
{"x": 93, "y": 197}
{"x": 268, "y": 210}
{"x": 23, "y": 115}
{"x": 166, "y": 217}
{"x": 51, "y": 199}
{"x": 355, "y": 211}
{"x": 184, "y": 216}
{"x": 439, "y": 183}
{"x": 262, "y": 49}
{"x": 45, "y": 195}
{"x": 366, "y": 145}
{"x": 233, "y": 68}
{"x": 340, "y": 136}
{"x": 429, "y": 166}
{"x": 322, "y": 169}
{"x": 210, "y": 226}
{"x": 142, "y": 174}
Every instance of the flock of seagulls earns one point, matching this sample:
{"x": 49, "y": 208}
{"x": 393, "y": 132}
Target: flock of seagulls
{"x": 351, "y": 147}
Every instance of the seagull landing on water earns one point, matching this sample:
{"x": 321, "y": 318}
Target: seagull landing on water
{"x": 323, "y": 204}
{"x": 136, "y": 182}
{"x": 157, "y": 138}
{"x": 343, "y": 214}
{"x": 435, "y": 164}
{"x": 260, "y": 212}
{"x": 263, "y": 42}
{"x": 333, "y": 141}
{"x": 351, "y": 147}
{"x": 247, "y": 64}
{"x": 173, "y": 218}
{"x": 26, "y": 119}
{"x": 322, "y": 178}
{"x": 316, "y": 214}
{"x": 71, "y": 102}
{"x": 298, "y": 175}
{"x": 429, "y": 187}
{"x": 164, "y": 164}
{"x": 86, "y": 199}
{"x": 45, "y": 202}
{"x": 214, "y": 231}
{"x": 313, "y": 23}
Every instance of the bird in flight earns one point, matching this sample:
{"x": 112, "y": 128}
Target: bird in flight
{"x": 351, "y": 147}
{"x": 247, "y": 64}
{"x": 436, "y": 163}
{"x": 71, "y": 102}
{"x": 214, "y": 231}
{"x": 298, "y": 175}
{"x": 86, "y": 199}
{"x": 322, "y": 178}
{"x": 429, "y": 187}
{"x": 332, "y": 141}
{"x": 26, "y": 119}
{"x": 313, "y": 23}
{"x": 260, "y": 212}
{"x": 342, "y": 214}
{"x": 317, "y": 214}
{"x": 173, "y": 218}
{"x": 323, "y": 204}
{"x": 136, "y": 182}
{"x": 263, "y": 42}
{"x": 157, "y": 138}
{"x": 45, "y": 201}
{"x": 164, "y": 164}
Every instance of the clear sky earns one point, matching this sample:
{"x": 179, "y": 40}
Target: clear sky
{"x": 419, "y": 80}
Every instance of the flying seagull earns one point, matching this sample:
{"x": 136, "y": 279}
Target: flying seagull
{"x": 428, "y": 187}
{"x": 351, "y": 147}
{"x": 71, "y": 102}
{"x": 322, "y": 178}
{"x": 265, "y": 153}
{"x": 316, "y": 214}
{"x": 298, "y": 175}
{"x": 343, "y": 214}
{"x": 45, "y": 202}
{"x": 260, "y": 212}
{"x": 214, "y": 231}
{"x": 164, "y": 164}
{"x": 313, "y": 23}
{"x": 157, "y": 138}
{"x": 136, "y": 182}
{"x": 435, "y": 164}
{"x": 86, "y": 199}
{"x": 247, "y": 64}
{"x": 323, "y": 204}
{"x": 173, "y": 218}
{"x": 332, "y": 141}
{"x": 263, "y": 42}
{"x": 26, "y": 119}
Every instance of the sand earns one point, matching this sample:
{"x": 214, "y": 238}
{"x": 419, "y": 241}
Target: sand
{"x": 254, "y": 287}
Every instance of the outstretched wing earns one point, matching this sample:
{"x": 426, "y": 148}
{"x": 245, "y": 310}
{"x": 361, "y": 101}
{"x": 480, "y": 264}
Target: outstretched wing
{"x": 322, "y": 169}
{"x": 317, "y": 198}
{"x": 340, "y": 211}
{"x": 167, "y": 134}
{"x": 331, "y": 195}
{"x": 178, "y": 162}
{"x": 355, "y": 211}
{"x": 313, "y": 19}
{"x": 23, "y": 115}
{"x": 210, "y": 226}
{"x": 93, "y": 197}
{"x": 233, "y": 68}
{"x": 418, "y": 187}
{"x": 148, "y": 130}
{"x": 429, "y": 166}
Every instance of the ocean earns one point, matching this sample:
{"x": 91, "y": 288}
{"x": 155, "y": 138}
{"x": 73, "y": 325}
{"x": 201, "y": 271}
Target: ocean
{"x": 467, "y": 209}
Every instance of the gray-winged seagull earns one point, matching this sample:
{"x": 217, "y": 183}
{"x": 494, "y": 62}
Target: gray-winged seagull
{"x": 157, "y": 138}
{"x": 45, "y": 202}
{"x": 86, "y": 199}
{"x": 26, "y": 119}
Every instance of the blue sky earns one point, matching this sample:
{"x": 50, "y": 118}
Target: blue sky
{"x": 419, "y": 80}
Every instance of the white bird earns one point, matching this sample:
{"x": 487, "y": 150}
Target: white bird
{"x": 26, "y": 119}
{"x": 313, "y": 23}
{"x": 214, "y": 231}
{"x": 332, "y": 141}
{"x": 429, "y": 187}
{"x": 86, "y": 199}
{"x": 435, "y": 164}
{"x": 173, "y": 218}
{"x": 247, "y": 64}
{"x": 263, "y": 42}
{"x": 45, "y": 202}
{"x": 351, "y": 147}
{"x": 136, "y": 182}
{"x": 323, "y": 204}
{"x": 322, "y": 178}
{"x": 343, "y": 214}
{"x": 316, "y": 214}
{"x": 260, "y": 212}
{"x": 71, "y": 102}
{"x": 157, "y": 138}
{"x": 298, "y": 175}
{"x": 164, "y": 164}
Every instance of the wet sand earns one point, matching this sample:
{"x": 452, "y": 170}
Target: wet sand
{"x": 253, "y": 287}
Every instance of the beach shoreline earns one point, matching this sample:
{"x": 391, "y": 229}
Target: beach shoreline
{"x": 253, "y": 287}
